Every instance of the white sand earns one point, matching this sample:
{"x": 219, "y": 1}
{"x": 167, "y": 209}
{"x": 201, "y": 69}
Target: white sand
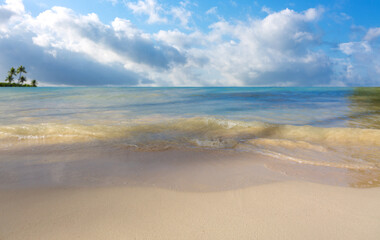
{"x": 283, "y": 210}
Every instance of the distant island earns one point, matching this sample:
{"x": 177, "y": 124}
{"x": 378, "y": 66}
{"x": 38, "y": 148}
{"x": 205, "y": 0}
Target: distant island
{"x": 22, "y": 81}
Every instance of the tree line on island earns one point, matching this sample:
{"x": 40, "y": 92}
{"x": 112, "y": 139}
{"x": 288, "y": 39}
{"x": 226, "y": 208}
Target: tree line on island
{"x": 10, "y": 79}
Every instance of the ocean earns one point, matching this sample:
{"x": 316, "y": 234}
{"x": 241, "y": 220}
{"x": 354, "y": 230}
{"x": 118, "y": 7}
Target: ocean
{"x": 321, "y": 128}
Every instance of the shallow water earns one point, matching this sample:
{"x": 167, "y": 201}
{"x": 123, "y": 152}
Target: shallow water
{"x": 329, "y": 128}
{"x": 324, "y": 107}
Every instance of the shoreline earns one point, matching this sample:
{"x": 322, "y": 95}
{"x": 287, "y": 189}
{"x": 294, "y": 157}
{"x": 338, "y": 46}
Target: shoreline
{"x": 185, "y": 169}
{"x": 114, "y": 193}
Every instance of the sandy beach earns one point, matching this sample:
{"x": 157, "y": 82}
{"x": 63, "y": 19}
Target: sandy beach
{"x": 199, "y": 163}
{"x": 283, "y": 210}
{"x": 176, "y": 194}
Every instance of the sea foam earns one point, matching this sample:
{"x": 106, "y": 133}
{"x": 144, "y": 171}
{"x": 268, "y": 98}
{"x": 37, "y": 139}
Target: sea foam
{"x": 352, "y": 147}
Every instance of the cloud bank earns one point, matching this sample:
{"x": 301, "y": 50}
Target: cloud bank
{"x": 62, "y": 47}
{"x": 362, "y": 66}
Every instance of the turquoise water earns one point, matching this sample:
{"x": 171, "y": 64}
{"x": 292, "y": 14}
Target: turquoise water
{"x": 346, "y": 119}
{"x": 324, "y": 107}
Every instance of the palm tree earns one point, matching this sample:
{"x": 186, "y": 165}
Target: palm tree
{"x": 12, "y": 72}
{"x": 21, "y": 70}
{"x": 34, "y": 83}
{"x": 9, "y": 78}
{"x": 22, "y": 79}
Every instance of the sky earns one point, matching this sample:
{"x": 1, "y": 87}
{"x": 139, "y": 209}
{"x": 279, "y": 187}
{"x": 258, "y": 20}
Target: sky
{"x": 192, "y": 43}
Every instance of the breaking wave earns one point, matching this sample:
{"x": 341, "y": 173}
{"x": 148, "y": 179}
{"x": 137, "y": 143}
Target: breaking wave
{"x": 347, "y": 147}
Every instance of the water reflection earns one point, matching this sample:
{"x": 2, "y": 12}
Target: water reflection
{"x": 365, "y": 108}
{"x": 365, "y": 113}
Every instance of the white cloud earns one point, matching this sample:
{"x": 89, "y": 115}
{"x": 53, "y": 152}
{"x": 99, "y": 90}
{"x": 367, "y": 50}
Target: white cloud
{"x": 340, "y": 17}
{"x": 212, "y": 10}
{"x": 362, "y": 67}
{"x": 355, "y": 47}
{"x": 12, "y": 11}
{"x": 180, "y": 40}
{"x": 124, "y": 28}
{"x": 62, "y": 29}
{"x": 114, "y": 2}
{"x": 157, "y": 14}
{"x": 372, "y": 34}
{"x": 15, "y": 6}
{"x": 266, "y": 10}
{"x": 148, "y": 7}
{"x": 278, "y": 50}
{"x": 182, "y": 15}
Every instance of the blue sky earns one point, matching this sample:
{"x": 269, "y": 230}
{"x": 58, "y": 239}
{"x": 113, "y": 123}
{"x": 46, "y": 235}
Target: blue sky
{"x": 193, "y": 43}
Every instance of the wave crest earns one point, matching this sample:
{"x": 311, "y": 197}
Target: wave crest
{"x": 307, "y": 144}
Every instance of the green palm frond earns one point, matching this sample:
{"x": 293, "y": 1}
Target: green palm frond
{"x": 21, "y": 69}
{"x": 12, "y": 71}
{"x": 22, "y": 79}
{"x": 9, "y": 78}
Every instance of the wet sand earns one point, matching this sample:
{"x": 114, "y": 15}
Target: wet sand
{"x": 110, "y": 192}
